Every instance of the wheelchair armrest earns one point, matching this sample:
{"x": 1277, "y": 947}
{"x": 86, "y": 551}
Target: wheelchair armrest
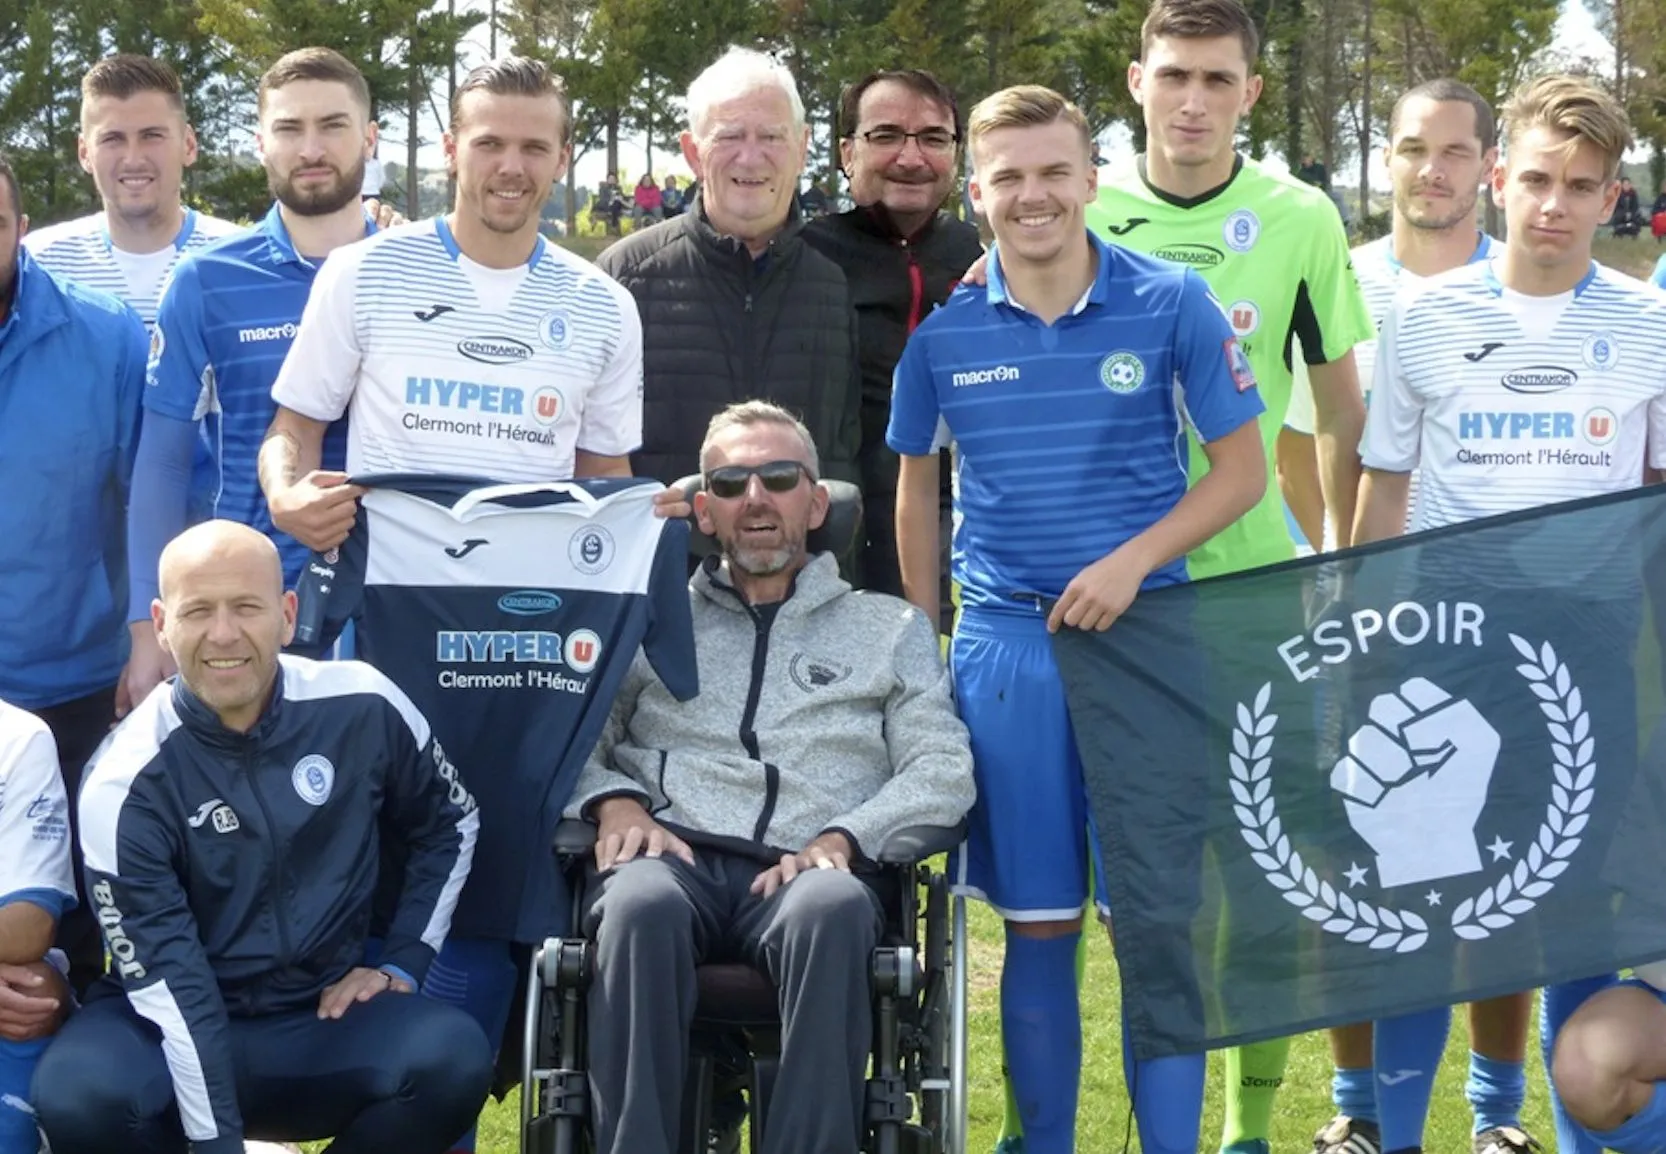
{"x": 574, "y": 837}
{"x": 917, "y": 842}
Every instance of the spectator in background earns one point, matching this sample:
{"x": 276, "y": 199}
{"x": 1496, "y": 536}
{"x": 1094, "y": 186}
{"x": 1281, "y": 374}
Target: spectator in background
{"x": 646, "y": 203}
{"x": 814, "y": 201}
{"x": 670, "y": 198}
{"x": 1657, "y": 215}
{"x": 899, "y": 146}
{"x": 610, "y": 205}
{"x": 735, "y": 306}
{"x": 1314, "y": 172}
{"x": 1628, "y": 210}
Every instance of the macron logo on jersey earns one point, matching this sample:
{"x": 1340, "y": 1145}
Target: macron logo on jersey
{"x": 999, "y": 373}
{"x": 285, "y": 332}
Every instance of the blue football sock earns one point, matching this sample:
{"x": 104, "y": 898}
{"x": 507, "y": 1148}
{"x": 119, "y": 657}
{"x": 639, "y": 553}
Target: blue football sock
{"x": 1495, "y": 1090}
{"x": 1167, "y": 1094}
{"x": 1355, "y": 1093}
{"x": 1556, "y": 1006}
{"x": 18, "y": 1134}
{"x": 477, "y": 975}
{"x": 1041, "y": 1022}
{"x": 1642, "y": 1133}
{"x": 1406, "y": 1053}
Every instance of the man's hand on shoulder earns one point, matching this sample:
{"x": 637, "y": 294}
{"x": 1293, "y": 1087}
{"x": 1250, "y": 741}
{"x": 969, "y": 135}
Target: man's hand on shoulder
{"x": 624, "y": 829}
{"x": 360, "y": 985}
{"x": 147, "y": 667}
{"x": 34, "y": 1000}
{"x": 383, "y": 213}
{"x": 830, "y": 851}
{"x": 669, "y": 503}
{"x": 978, "y": 274}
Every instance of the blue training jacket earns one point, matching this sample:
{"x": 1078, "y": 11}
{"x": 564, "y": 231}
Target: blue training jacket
{"x": 72, "y": 373}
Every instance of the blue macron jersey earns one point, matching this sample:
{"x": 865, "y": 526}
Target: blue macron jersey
{"x": 1070, "y": 437}
{"x": 509, "y": 614}
{"x": 225, "y": 324}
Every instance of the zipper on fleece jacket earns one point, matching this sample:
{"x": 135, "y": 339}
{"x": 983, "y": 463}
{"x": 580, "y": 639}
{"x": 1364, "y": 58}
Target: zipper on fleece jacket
{"x": 280, "y": 908}
{"x": 748, "y": 735}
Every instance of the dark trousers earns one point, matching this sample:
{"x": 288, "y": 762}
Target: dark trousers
{"x": 78, "y": 727}
{"x": 399, "y": 1074}
{"x": 654, "y": 920}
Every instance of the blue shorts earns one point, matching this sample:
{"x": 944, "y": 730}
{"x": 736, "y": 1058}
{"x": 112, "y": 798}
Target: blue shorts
{"x": 1029, "y": 838}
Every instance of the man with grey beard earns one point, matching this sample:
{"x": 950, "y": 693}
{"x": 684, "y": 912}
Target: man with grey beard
{"x": 227, "y": 319}
{"x": 753, "y": 859}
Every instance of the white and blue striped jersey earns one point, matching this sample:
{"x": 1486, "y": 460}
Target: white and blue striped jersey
{"x": 1380, "y": 277}
{"x": 446, "y": 366}
{"x": 81, "y": 250}
{"x": 1506, "y": 402}
{"x": 34, "y": 816}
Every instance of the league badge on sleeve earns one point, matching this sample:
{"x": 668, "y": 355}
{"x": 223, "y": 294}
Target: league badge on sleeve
{"x": 1237, "y": 363}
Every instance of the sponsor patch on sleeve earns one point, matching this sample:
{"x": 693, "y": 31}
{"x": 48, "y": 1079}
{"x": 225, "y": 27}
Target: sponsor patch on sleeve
{"x": 1237, "y": 363}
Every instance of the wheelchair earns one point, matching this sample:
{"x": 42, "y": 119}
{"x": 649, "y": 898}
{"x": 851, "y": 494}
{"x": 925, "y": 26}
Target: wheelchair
{"x": 916, "y": 1085}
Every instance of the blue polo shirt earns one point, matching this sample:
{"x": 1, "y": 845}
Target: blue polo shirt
{"x": 224, "y": 327}
{"x": 72, "y": 368}
{"x": 1070, "y": 436}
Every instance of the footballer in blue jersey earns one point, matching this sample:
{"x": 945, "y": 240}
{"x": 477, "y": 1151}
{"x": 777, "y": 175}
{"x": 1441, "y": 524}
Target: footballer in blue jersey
{"x": 1067, "y": 384}
{"x": 227, "y": 320}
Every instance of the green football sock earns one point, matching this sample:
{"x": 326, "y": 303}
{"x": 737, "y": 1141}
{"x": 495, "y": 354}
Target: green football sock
{"x": 1253, "y": 1075}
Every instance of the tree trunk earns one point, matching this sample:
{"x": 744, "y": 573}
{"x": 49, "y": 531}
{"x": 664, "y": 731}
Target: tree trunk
{"x": 612, "y": 123}
{"x": 413, "y": 141}
{"x": 1365, "y": 121}
{"x": 1293, "y": 88}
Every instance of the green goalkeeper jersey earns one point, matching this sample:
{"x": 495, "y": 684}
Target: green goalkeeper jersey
{"x": 1275, "y": 253}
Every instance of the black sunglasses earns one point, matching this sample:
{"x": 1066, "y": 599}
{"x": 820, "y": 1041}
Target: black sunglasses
{"x": 730, "y": 481}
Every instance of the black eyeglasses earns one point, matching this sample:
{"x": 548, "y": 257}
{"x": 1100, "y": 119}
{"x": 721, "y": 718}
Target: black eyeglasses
{"x": 730, "y": 481}
{"x": 930, "y": 139}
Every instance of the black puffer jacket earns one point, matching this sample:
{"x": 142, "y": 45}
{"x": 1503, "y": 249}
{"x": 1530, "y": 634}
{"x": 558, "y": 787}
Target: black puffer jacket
{"x": 719, "y": 326}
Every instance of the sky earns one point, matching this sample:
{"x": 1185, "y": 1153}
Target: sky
{"x": 1576, "y": 37}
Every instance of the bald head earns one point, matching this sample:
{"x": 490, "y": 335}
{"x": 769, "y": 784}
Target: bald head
{"x": 224, "y": 617}
{"x": 218, "y": 543}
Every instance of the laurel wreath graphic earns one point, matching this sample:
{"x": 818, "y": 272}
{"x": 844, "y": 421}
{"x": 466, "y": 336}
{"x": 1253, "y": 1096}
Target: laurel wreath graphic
{"x": 1403, "y": 931}
{"x": 1574, "y": 749}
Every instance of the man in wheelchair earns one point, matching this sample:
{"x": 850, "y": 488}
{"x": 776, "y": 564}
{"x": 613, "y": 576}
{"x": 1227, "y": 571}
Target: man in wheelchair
{"x": 742, "y": 825}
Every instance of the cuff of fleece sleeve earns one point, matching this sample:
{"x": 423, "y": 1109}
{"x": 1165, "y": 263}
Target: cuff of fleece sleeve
{"x": 224, "y": 1144}
{"x": 586, "y": 809}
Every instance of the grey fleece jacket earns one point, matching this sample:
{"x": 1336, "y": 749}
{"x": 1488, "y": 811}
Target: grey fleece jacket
{"x": 831, "y": 712}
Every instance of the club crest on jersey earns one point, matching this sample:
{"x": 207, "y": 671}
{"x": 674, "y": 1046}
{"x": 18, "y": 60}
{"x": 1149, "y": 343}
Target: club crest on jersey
{"x": 1244, "y": 317}
{"x": 1600, "y": 351}
{"x": 1242, "y": 230}
{"x": 556, "y": 330}
{"x": 313, "y": 778}
{"x": 591, "y": 549}
{"x": 157, "y": 343}
{"x": 547, "y": 405}
{"x": 1122, "y": 372}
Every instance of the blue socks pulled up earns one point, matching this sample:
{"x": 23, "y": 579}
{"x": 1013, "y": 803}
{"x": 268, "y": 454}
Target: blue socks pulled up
{"x": 1406, "y": 1053}
{"x": 1041, "y": 1023}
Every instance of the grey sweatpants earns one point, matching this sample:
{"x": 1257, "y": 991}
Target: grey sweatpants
{"x": 654, "y": 920}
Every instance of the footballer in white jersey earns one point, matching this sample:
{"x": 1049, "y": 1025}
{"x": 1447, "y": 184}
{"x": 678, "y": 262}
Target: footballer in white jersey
{"x": 81, "y": 250}
{"x": 447, "y": 366}
{"x": 1505, "y": 401}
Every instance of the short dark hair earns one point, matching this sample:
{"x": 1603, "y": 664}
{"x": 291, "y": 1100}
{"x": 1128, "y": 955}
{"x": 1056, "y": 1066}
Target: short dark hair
{"x": 1201, "y": 20}
{"x": 314, "y": 64}
{"x": 125, "y": 75}
{"x": 514, "y": 76}
{"x": 916, "y": 80}
{"x": 8, "y": 177}
{"x": 1444, "y": 90}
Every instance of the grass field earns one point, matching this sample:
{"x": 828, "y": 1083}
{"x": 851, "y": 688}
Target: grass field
{"x": 1303, "y": 1105}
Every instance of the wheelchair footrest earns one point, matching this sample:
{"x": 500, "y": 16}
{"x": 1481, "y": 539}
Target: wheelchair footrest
{"x": 888, "y": 1102}
{"x": 562, "y": 1093}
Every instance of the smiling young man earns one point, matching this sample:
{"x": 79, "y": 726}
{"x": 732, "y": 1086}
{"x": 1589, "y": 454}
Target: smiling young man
{"x": 1071, "y": 353}
{"x": 136, "y": 144}
{"x": 227, "y": 320}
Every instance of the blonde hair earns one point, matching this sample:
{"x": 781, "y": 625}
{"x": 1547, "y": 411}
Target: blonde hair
{"x": 1575, "y": 105}
{"x": 1024, "y": 106}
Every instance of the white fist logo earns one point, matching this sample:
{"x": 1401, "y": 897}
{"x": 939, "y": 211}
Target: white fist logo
{"x": 1415, "y": 781}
